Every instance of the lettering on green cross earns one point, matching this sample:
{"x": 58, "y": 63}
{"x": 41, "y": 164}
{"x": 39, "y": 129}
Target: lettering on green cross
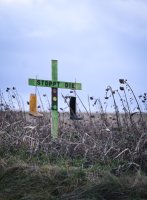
{"x": 54, "y": 84}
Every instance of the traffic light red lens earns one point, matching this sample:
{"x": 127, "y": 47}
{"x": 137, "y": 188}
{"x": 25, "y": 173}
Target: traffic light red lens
{"x": 54, "y": 90}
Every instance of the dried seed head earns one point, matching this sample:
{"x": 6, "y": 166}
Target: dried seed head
{"x": 91, "y": 98}
{"x": 122, "y": 81}
{"x": 121, "y": 88}
{"x": 14, "y": 88}
{"x": 67, "y": 97}
{"x": 7, "y": 90}
{"x": 106, "y": 97}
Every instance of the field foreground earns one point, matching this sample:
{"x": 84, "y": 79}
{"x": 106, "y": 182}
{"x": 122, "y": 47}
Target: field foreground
{"x": 42, "y": 182}
{"x": 91, "y": 159}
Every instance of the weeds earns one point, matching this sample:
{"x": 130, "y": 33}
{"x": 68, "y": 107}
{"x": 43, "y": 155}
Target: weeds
{"x": 104, "y": 136}
{"x": 111, "y": 142}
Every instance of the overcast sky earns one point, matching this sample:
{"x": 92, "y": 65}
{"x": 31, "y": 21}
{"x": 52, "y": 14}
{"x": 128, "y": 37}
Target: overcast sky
{"x": 96, "y": 42}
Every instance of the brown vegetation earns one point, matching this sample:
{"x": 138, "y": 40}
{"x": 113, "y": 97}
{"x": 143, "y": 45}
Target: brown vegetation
{"x": 116, "y": 141}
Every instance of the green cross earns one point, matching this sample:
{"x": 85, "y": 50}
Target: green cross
{"x": 55, "y": 84}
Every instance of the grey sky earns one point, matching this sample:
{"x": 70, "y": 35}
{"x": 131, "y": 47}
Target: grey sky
{"x": 95, "y": 42}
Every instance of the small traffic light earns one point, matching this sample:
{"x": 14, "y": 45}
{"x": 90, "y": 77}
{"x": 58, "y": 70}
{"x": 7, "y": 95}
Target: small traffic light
{"x": 54, "y": 98}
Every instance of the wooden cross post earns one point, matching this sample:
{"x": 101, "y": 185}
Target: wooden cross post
{"x": 55, "y": 84}
{"x": 54, "y": 124}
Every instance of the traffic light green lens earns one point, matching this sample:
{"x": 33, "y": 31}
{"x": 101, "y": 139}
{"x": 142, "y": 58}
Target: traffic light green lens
{"x": 55, "y": 107}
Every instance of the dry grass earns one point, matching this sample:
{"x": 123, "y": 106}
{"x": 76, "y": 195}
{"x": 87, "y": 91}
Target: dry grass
{"x": 91, "y": 140}
{"x": 109, "y": 166}
{"x": 103, "y": 156}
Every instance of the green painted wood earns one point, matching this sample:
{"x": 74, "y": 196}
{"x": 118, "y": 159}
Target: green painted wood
{"x": 55, "y": 84}
{"x": 55, "y": 120}
{"x": 54, "y": 70}
{"x": 54, "y": 125}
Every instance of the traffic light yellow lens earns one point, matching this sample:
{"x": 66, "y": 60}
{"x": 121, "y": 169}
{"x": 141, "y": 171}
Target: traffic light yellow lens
{"x": 54, "y": 98}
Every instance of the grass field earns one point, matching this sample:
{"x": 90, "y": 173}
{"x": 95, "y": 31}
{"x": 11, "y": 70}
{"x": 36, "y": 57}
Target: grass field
{"x": 103, "y": 156}
{"x": 87, "y": 161}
